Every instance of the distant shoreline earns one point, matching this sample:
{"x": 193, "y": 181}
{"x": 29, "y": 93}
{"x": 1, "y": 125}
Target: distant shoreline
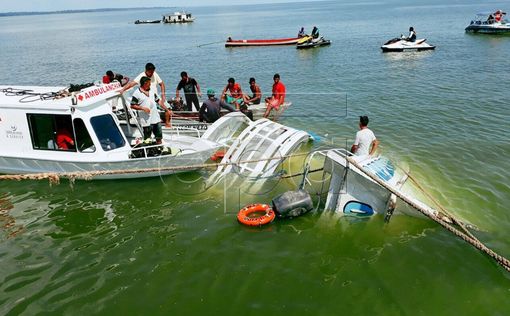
{"x": 76, "y": 11}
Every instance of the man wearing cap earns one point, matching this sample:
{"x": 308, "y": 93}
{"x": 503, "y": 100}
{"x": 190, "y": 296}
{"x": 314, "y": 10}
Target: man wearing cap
{"x": 365, "y": 142}
{"x": 148, "y": 115}
{"x": 210, "y": 109}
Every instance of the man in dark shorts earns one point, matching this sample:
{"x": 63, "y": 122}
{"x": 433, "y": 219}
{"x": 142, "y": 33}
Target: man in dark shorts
{"x": 191, "y": 91}
{"x": 257, "y": 93}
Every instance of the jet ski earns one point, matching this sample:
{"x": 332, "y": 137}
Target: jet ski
{"x": 313, "y": 43}
{"x": 402, "y": 45}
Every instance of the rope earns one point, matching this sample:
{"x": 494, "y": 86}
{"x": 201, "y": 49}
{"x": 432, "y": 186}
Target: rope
{"x": 54, "y": 178}
{"x": 441, "y": 207}
{"x": 301, "y": 173}
{"x": 210, "y": 43}
{"x": 504, "y": 262}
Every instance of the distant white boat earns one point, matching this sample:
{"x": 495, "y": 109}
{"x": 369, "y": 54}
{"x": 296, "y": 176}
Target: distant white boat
{"x": 178, "y": 17}
{"x": 489, "y": 23}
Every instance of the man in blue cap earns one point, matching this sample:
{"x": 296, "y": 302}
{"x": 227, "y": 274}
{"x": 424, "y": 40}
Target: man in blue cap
{"x": 211, "y": 108}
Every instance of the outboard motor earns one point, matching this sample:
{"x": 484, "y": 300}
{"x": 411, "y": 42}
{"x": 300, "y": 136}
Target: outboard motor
{"x": 292, "y": 204}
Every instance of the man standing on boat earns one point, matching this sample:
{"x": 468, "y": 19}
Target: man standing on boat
{"x": 365, "y": 142}
{"x": 191, "y": 91}
{"x": 148, "y": 115}
{"x": 155, "y": 79}
{"x": 277, "y": 98}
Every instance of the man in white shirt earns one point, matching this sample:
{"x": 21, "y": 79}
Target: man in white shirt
{"x": 148, "y": 115}
{"x": 155, "y": 79}
{"x": 365, "y": 142}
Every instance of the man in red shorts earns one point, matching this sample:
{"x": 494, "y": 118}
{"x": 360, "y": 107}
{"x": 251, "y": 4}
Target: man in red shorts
{"x": 278, "y": 97}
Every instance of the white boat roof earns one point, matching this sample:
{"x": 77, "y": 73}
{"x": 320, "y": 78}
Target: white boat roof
{"x": 490, "y": 13}
{"x": 44, "y": 97}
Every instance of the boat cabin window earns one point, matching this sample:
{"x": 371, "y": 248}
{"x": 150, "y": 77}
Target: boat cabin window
{"x": 83, "y": 140}
{"x": 107, "y": 132}
{"x": 51, "y": 132}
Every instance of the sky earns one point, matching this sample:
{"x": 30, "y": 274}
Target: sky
{"x": 57, "y": 5}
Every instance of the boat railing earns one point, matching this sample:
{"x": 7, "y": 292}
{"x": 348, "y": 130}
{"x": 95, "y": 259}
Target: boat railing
{"x": 178, "y": 130}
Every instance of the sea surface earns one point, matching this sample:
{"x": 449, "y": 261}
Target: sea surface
{"x": 166, "y": 246}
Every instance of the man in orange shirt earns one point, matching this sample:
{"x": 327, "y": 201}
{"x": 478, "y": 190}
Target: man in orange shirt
{"x": 236, "y": 94}
{"x": 278, "y": 97}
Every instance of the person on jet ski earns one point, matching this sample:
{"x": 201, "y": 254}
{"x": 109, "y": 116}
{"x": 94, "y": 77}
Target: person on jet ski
{"x": 315, "y": 32}
{"x": 301, "y": 32}
{"x": 412, "y": 35}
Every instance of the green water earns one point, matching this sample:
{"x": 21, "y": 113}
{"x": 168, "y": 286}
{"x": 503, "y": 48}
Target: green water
{"x": 167, "y": 246}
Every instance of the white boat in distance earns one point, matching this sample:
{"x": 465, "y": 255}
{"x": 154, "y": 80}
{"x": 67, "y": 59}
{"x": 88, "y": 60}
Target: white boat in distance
{"x": 178, "y": 17}
{"x": 489, "y": 23}
{"x": 34, "y": 122}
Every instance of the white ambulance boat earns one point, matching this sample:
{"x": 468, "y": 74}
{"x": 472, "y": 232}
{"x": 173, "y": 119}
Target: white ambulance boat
{"x": 36, "y": 124}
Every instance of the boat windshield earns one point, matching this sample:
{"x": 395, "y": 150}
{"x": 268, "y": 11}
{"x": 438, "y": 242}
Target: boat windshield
{"x": 107, "y": 132}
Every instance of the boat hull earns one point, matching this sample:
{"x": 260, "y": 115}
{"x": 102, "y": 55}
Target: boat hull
{"x": 147, "y": 22}
{"x": 488, "y": 29}
{"x": 261, "y": 42}
{"x": 397, "y": 45}
{"x": 313, "y": 44}
{"x": 111, "y": 169}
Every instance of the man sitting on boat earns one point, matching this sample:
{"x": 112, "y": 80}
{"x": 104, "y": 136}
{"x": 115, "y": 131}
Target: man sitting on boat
{"x": 64, "y": 138}
{"x": 235, "y": 93}
{"x": 412, "y": 35}
{"x": 278, "y": 96}
{"x": 365, "y": 142}
{"x": 148, "y": 115}
{"x": 257, "y": 93}
{"x": 210, "y": 109}
{"x": 315, "y": 32}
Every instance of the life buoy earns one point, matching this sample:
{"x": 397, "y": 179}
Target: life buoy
{"x": 244, "y": 215}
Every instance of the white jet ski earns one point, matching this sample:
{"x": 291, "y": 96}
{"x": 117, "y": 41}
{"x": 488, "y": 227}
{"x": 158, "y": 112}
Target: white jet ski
{"x": 402, "y": 45}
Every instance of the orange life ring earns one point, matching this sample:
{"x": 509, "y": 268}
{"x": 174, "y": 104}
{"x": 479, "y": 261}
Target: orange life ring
{"x": 244, "y": 215}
